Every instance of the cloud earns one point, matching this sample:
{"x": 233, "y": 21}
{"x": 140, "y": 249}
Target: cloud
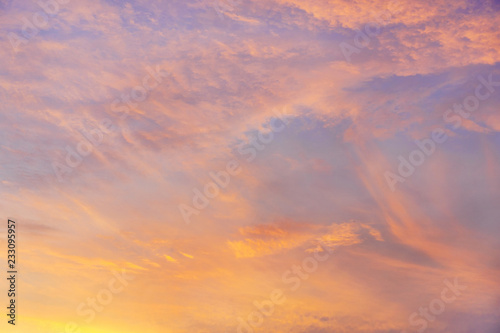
{"x": 262, "y": 240}
{"x": 320, "y": 181}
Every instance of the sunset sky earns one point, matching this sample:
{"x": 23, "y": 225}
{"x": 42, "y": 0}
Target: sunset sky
{"x": 365, "y": 132}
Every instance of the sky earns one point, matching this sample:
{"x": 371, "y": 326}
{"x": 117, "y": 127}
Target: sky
{"x": 295, "y": 166}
